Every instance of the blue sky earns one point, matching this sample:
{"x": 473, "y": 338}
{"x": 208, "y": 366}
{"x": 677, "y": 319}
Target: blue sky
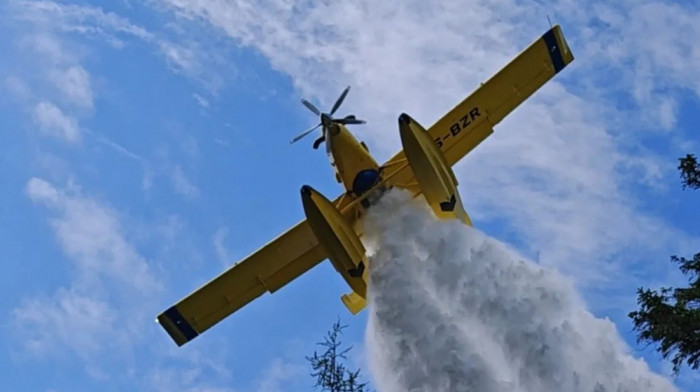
{"x": 145, "y": 146}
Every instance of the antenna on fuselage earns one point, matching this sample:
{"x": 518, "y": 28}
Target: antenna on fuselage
{"x": 327, "y": 119}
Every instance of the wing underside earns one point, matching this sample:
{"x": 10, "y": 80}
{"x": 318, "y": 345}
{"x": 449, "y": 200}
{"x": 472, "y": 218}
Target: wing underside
{"x": 268, "y": 269}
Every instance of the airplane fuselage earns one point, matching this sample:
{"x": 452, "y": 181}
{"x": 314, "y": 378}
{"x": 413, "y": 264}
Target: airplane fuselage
{"x": 354, "y": 167}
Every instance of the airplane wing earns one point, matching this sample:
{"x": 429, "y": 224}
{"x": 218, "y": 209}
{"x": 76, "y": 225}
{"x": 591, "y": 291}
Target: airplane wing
{"x": 473, "y": 119}
{"x": 268, "y": 269}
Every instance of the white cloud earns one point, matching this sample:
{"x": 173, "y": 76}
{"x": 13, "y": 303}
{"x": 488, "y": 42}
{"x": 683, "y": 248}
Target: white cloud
{"x": 279, "y": 373}
{"x": 56, "y": 61}
{"x": 39, "y": 189}
{"x": 54, "y": 72}
{"x": 182, "y": 58}
{"x": 74, "y": 83}
{"x": 17, "y": 88}
{"x": 182, "y": 184}
{"x": 201, "y": 101}
{"x": 54, "y": 167}
{"x": 50, "y": 48}
{"x": 188, "y": 379}
{"x": 668, "y": 111}
{"x": 222, "y": 252}
{"x": 196, "y": 59}
{"x": 52, "y": 121}
{"x": 556, "y": 171}
{"x": 91, "y": 235}
{"x": 90, "y": 21}
{"x": 636, "y": 46}
{"x": 68, "y": 319}
{"x": 109, "y": 274}
{"x": 221, "y": 142}
{"x": 120, "y": 149}
{"x": 147, "y": 180}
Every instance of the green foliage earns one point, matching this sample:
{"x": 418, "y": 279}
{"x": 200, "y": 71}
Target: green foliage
{"x": 329, "y": 369}
{"x": 670, "y": 317}
{"x": 690, "y": 171}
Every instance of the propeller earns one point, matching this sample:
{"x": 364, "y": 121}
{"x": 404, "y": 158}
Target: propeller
{"x": 327, "y": 118}
{"x": 308, "y": 131}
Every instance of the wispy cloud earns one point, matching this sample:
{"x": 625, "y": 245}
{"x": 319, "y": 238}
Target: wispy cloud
{"x": 67, "y": 319}
{"x": 74, "y": 83}
{"x": 222, "y": 252}
{"x": 91, "y": 235}
{"x": 46, "y": 33}
{"x": 201, "y": 101}
{"x": 56, "y": 86}
{"x": 204, "y": 369}
{"x": 188, "y": 380}
{"x": 52, "y": 121}
{"x": 59, "y": 87}
{"x": 77, "y": 18}
{"x": 639, "y": 38}
{"x": 40, "y": 40}
{"x": 279, "y": 373}
{"x": 103, "y": 314}
{"x": 120, "y": 149}
{"x": 182, "y": 184}
{"x": 108, "y": 273}
{"x": 186, "y": 56}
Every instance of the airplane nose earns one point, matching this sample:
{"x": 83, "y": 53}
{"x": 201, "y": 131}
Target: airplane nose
{"x": 325, "y": 119}
{"x": 333, "y": 130}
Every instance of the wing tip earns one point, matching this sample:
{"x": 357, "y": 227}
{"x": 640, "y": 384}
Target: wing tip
{"x": 177, "y": 326}
{"x": 557, "y": 47}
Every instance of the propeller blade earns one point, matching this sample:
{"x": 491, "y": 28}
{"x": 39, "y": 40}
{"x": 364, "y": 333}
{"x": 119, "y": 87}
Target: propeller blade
{"x": 301, "y": 135}
{"x": 340, "y": 100}
{"x": 346, "y": 121}
{"x": 311, "y": 107}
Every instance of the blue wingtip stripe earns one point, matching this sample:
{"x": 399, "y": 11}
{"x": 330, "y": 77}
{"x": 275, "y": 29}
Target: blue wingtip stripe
{"x": 182, "y": 325}
{"x": 554, "y": 50}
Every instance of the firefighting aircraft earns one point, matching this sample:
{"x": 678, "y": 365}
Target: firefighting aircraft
{"x": 332, "y": 229}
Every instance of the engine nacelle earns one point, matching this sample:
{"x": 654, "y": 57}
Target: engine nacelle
{"x": 434, "y": 176}
{"x": 342, "y": 244}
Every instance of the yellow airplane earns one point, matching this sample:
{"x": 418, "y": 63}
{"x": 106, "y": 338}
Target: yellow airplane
{"x": 332, "y": 229}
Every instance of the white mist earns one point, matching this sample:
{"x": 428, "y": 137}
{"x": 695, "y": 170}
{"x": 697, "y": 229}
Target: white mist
{"x": 453, "y": 310}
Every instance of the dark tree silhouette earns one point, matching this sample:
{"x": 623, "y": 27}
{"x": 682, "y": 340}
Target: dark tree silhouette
{"x": 329, "y": 367}
{"x": 690, "y": 171}
{"x": 670, "y": 317}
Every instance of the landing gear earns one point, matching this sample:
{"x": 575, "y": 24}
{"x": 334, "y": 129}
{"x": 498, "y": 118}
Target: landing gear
{"x": 319, "y": 141}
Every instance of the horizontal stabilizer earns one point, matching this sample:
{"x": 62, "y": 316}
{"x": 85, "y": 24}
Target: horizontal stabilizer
{"x": 354, "y": 302}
